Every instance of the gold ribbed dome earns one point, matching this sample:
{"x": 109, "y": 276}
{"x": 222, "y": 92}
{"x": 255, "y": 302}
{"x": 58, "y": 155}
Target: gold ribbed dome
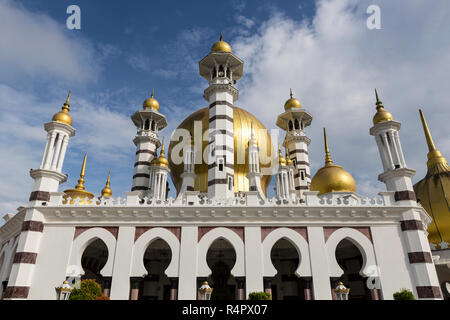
{"x": 242, "y": 123}
{"x": 381, "y": 115}
{"x": 292, "y": 103}
{"x": 433, "y": 191}
{"x": 151, "y": 103}
{"x": 221, "y": 46}
{"x": 106, "y": 191}
{"x": 79, "y": 192}
{"x": 161, "y": 161}
{"x": 332, "y": 178}
{"x": 63, "y": 116}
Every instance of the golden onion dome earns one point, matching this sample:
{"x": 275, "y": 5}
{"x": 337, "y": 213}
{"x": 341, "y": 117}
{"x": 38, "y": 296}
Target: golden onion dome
{"x": 221, "y": 46}
{"x": 63, "y": 116}
{"x": 80, "y": 191}
{"x": 151, "y": 103}
{"x": 288, "y": 160}
{"x": 281, "y": 159}
{"x": 292, "y": 103}
{"x": 106, "y": 191}
{"x": 161, "y": 161}
{"x": 242, "y": 124}
{"x": 433, "y": 191}
{"x": 332, "y": 178}
{"x": 381, "y": 115}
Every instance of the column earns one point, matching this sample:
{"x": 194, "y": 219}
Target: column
{"x": 173, "y": 288}
{"x": 400, "y": 151}
{"x": 253, "y": 260}
{"x": 187, "y": 287}
{"x": 319, "y": 264}
{"x": 47, "y": 145}
{"x": 307, "y": 287}
{"x": 62, "y": 154}
{"x": 240, "y": 288}
{"x": 57, "y": 151}
{"x": 395, "y": 150}
{"x": 388, "y": 150}
{"x": 50, "y": 151}
{"x": 135, "y": 284}
{"x": 384, "y": 160}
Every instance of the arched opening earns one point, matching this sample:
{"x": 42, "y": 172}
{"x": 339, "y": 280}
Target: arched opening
{"x": 153, "y": 125}
{"x": 221, "y": 258}
{"x": 221, "y": 72}
{"x": 93, "y": 260}
{"x": 286, "y": 285}
{"x": 350, "y": 260}
{"x": 147, "y": 124}
{"x": 156, "y": 285}
{"x": 291, "y": 127}
{"x": 296, "y": 124}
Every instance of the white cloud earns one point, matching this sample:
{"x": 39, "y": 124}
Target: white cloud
{"x": 244, "y": 21}
{"x": 32, "y": 45}
{"x": 334, "y": 64}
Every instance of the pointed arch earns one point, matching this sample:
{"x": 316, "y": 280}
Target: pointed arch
{"x": 360, "y": 241}
{"x": 145, "y": 240}
{"x": 299, "y": 243}
{"x": 206, "y": 241}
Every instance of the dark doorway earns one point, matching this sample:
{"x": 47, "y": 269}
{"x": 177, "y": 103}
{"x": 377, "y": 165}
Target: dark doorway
{"x": 93, "y": 260}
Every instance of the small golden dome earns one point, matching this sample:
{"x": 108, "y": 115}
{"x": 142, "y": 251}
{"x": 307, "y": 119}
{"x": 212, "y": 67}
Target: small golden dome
{"x": 381, "y": 115}
{"x": 288, "y": 160}
{"x": 433, "y": 191}
{"x": 221, "y": 46}
{"x": 161, "y": 161}
{"x": 151, "y": 103}
{"x": 106, "y": 191}
{"x": 63, "y": 116}
{"x": 79, "y": 192}
{"x": 292, "y": 103}
{"x": 332, "y": 178}
{"x": 281, "y": 159}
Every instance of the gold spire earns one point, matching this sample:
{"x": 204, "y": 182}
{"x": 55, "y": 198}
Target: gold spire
{"x": 328, "y": 160}
{"x": 292, "y": 102}
{"x": 288, "y": 160}
{"x": 107, "y": 192}
{"x": 221, "y": 46}
{"x": 63, "y": 116}
{"x": 161, "y": 161}
{"x": 435, "y": 158}
{"x": 79, "y": 191}
{"x": 381, "y": 115}
{"x": 151, "y": 103}
{"x": 281, "y": 159}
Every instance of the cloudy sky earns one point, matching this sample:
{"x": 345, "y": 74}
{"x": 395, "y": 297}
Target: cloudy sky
{"x": 322, "y": 49}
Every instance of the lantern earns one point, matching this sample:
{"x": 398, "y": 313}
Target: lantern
{"x": 63, "y": 292}
{"x": 205, "y": 291}
{"x": 341, "y": 291}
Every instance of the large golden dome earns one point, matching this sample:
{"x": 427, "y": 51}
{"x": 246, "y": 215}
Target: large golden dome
{"x": 243, "y": 122}
{"x": 433, "y": 191}
{"x": 332, "y": 178}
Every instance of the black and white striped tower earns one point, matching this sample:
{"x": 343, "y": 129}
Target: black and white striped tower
{"x": 46, "y": 180}
{"x": 397, "y": 177}
{"x": 294, "y": 121}
{"x": 221, "y": 68}
{"x": 148, "y": 122}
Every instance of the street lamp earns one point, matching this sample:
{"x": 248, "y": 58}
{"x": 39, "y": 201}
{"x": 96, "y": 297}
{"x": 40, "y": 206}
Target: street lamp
{"x": 341, "y": 291}
{"x": 63, "y": 292}
{"x": 205, "y": 291}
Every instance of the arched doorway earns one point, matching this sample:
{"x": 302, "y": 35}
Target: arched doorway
{"x": 286, "y": 285}
{"x": 93, "y": 260}
{"x": 156, "y": 285}
{"x": 350, "y": 260}
{"x": 221, "y": 258}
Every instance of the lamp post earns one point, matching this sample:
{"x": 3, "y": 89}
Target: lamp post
{"x": 205, "y": 291}
{"x": 341, "y": 291}
{"x": 63, "y": 292}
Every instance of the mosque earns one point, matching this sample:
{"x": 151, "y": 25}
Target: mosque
{"x": 222, "y": 227}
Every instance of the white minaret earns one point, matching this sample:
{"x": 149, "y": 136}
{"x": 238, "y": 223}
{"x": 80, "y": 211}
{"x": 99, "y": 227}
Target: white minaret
{"x": 294, "y": 121}
{"x": 397, "y": 177}
{"x": 188, "y": 176}
{"x": 282, "y": 179}
{"x": 46, "y": 181}
{"x": 254, "y": 173}
{"x": 291, "y": 169}
{"x": 148, "y": 122}
{"x": 221, "y": 68}
{"x": 159, "y": 170}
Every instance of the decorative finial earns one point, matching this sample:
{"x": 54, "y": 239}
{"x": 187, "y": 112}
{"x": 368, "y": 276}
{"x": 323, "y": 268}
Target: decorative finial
{"x": 153, "y": 92}
{"x": 221, "y": 36}
{"x": 378, "y": 103}
{"x": 107, "y": 192}
{"x": 162, "y": 149}
{"x": 108, "y": 181}
{"x": 80, "y": 185}
{"x": 68, "y": 98}
{"x": 430, "y": 142}
{"x": 328, "y": 160}
{"x": 291, "y": 93}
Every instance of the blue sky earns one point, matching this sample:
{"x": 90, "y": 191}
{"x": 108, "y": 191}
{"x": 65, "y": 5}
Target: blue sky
{"x": 322, "y": 49}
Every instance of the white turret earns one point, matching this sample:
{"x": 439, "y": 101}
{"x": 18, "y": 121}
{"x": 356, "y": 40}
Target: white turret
{"x": 159, "y": 170}
{"x": 282, "y": 179}
{"x": 188, "y": 176}
{"x": 254, "y": 172}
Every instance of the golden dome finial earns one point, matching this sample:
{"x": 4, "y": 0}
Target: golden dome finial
{"x": 221, "y": 46}
{"x": 292, "y": 102}
{"x": 153, "y": 92}
{"x": 288, "y": 160}
{"x": 63, "y": 116}
{"x": 328, "y": 160}
{"x": 291, "y": 93}
{"x": 151, "y": 103}
{"x": 106, "y": 191}
{"x": 161, "y": 161}
{"x": 381, "y": 115}
{"x": 436, "y": 162}
{"x": 80, "y": 185}
{"x": 221, "y": 36}
{"x": 281, "y": 159}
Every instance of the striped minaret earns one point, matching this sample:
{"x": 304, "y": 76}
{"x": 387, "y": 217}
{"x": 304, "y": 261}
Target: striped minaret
{"x": 221, "y": 68}
{"x": 148, "y": 122}
{"x": 397, "y": 177}
{"x": 46, "y": 180}
{"x": 294, "y": 121}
